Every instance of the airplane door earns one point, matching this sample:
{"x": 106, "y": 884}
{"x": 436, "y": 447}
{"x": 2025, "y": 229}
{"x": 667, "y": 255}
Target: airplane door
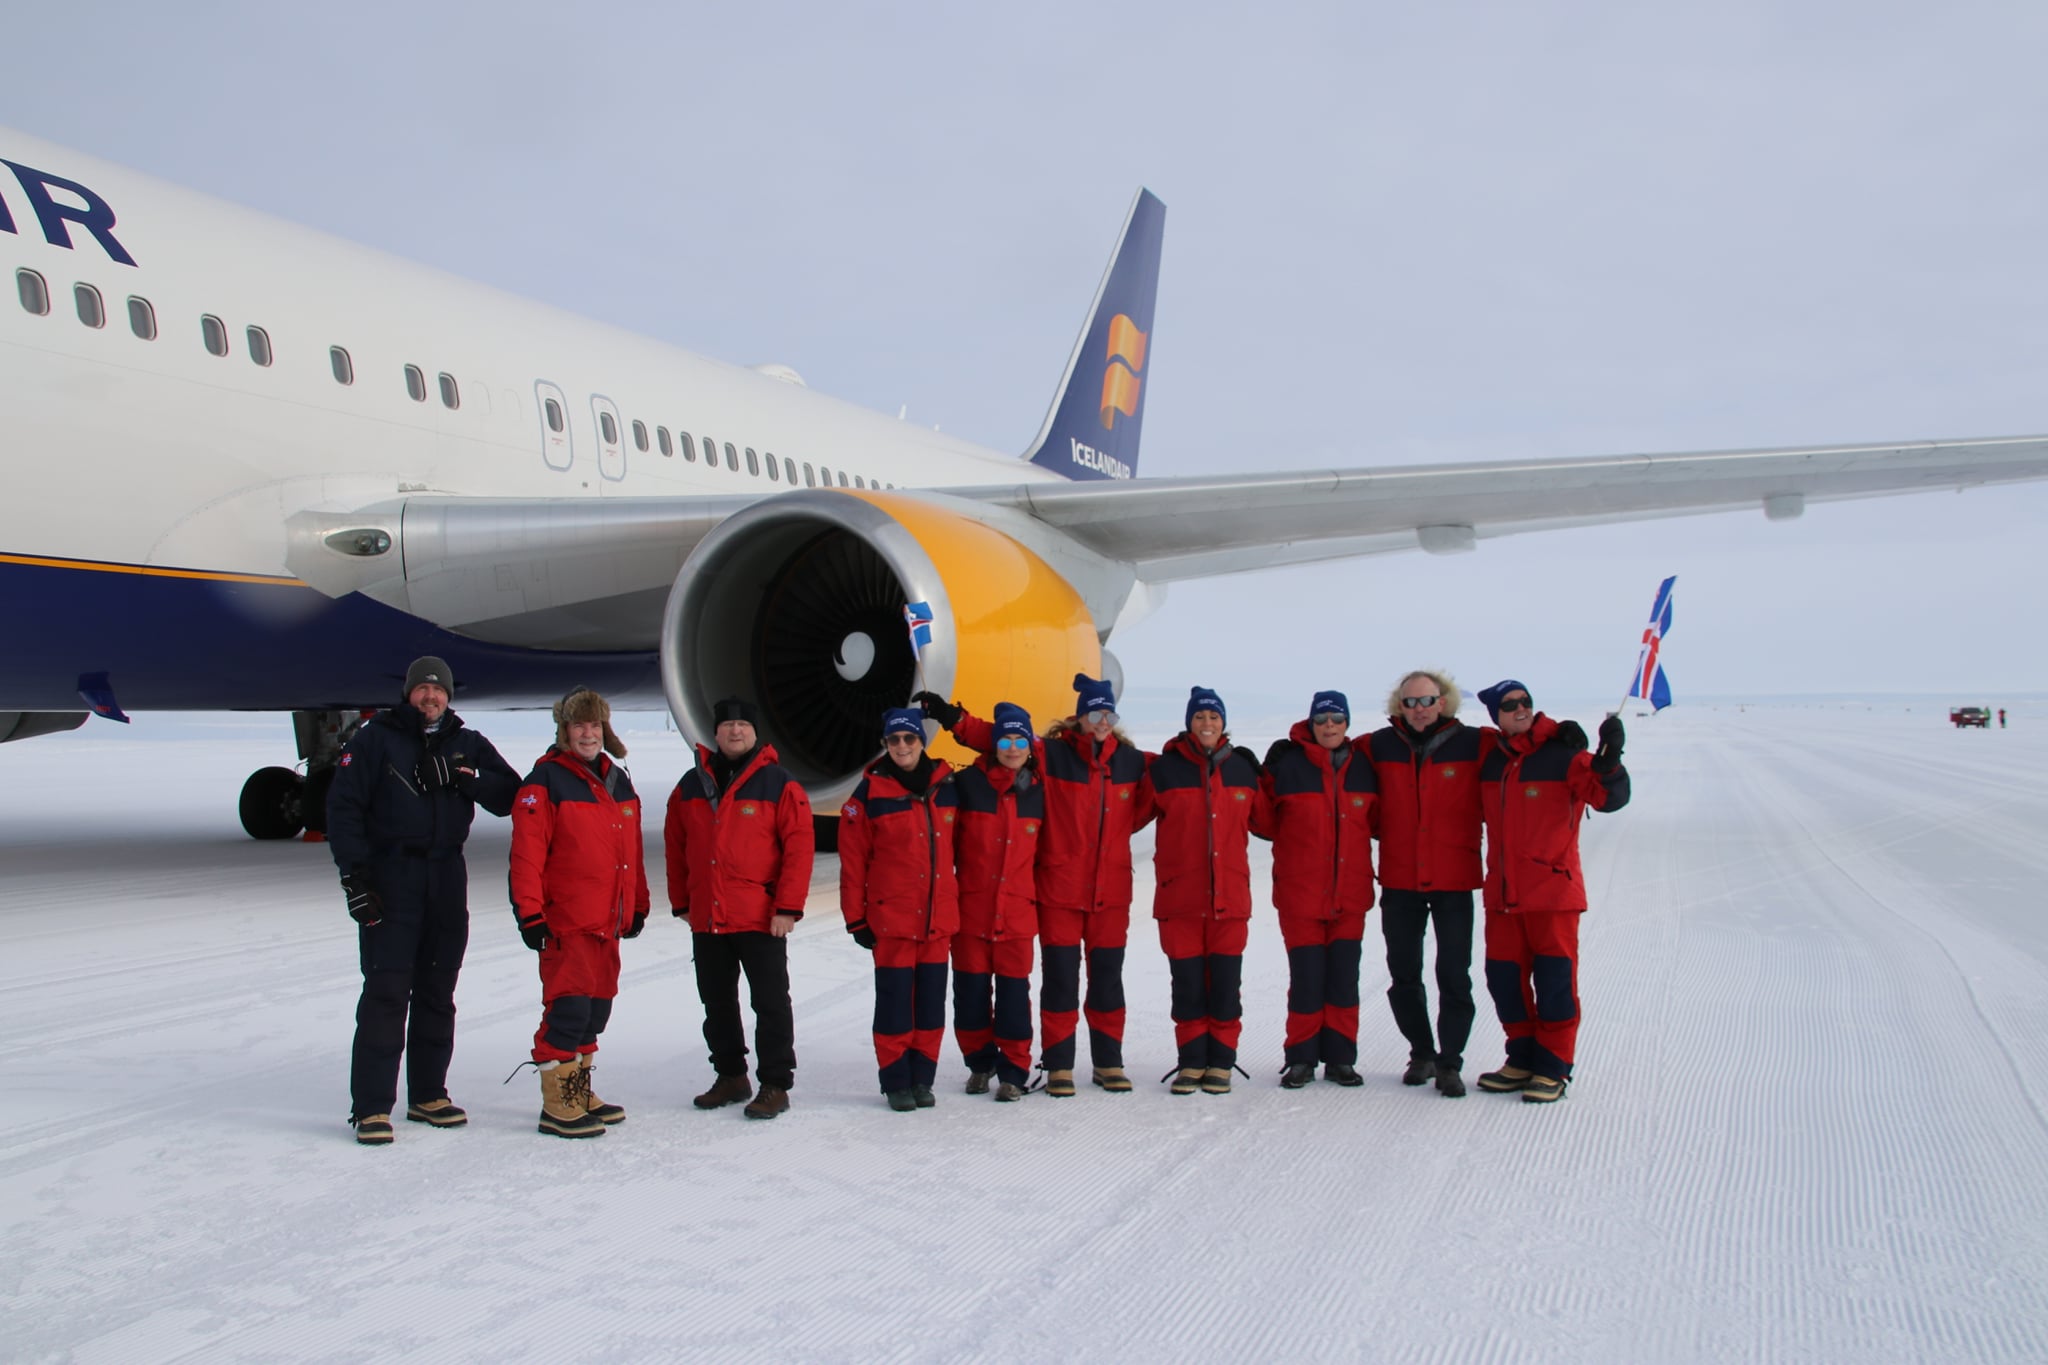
{"x": 611, "y": 444}
{"x": 557, "y": 442}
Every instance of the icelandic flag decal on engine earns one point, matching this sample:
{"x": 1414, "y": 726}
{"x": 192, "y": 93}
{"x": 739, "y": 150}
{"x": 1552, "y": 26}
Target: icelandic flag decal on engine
{"x": 917, "y": 616}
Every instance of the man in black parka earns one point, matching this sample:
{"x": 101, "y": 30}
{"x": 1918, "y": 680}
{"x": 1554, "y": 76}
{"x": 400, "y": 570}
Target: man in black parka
{"x": 406, "y": 790}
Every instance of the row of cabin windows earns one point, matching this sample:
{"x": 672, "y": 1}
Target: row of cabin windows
{"x": 35, "y": 297}
{"x": 92, "y": 311}
{"x": 781, "y": 469}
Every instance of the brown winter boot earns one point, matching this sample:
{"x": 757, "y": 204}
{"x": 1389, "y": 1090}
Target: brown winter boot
{"x": 560, "y": 1112}
{"x": 606, "y": 1114}
{"x": 771, "y": 1101}
{"x": 726, "y": 1090}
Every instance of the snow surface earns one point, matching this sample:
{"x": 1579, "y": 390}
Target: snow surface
{"x": 1809, "y": 1123}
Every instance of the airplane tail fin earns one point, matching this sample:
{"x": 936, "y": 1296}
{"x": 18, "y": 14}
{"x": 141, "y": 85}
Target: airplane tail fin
{"x": 1092, "y": 429}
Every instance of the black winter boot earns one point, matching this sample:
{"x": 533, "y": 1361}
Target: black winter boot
{"x": 1297, "y": 1075}
{"x": 1419, "y": 1071}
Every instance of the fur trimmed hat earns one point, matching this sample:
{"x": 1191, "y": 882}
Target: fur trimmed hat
{"x": 582, "y": 704}
{"x": 1446, "y": 688}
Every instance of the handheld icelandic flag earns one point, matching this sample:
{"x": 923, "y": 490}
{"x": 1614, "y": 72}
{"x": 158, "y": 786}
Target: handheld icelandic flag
{"x": 917, "y": 618}
{"x": 1649, "y": 682}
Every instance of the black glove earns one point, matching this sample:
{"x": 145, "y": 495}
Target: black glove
{"x": 1608, "y": 756}
{"x": 1574, "y": 736}
{"x": 865, "y": 937}
{"x": 365, "y": 906}
{"x": 535, "y": 935}
{"x": 639, "y": 923}
{"x": 939, "y": 709}
{"x": 435, "y": 772}
{"x": 681, "y": 913}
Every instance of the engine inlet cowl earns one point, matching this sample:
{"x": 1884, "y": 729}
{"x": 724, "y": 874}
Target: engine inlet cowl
{"x": 797, "y": 604}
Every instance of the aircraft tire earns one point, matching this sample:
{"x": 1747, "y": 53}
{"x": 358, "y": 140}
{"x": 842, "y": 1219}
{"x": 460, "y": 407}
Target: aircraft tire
{"x": 270, "y": 803}
{"x": 312, "y": 802}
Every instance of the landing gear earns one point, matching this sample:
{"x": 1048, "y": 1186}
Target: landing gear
{"x": 277, "y": 802}
{"x": 270, "y": 803}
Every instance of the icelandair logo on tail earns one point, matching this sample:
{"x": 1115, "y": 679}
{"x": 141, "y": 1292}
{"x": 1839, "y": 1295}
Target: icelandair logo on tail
{"x": 1088, "y": 457}
{"x": 1120, "y": 376}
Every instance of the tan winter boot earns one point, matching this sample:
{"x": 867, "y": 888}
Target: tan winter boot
{"x": 1059, "y": 1084}
{"x": 607, "y": 1114}
{"x": 560, "y": 1112}
{"x": 1216, "y": 1081}
{"x": 1112, "y": 1079}
{"x": 1186, "y": 1081}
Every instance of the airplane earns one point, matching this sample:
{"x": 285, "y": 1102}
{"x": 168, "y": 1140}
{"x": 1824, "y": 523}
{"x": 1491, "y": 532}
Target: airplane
{"x": 254, "y": 467}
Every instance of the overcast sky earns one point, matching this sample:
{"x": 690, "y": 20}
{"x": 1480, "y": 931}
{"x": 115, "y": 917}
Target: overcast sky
{"x": 1395, "y": 234}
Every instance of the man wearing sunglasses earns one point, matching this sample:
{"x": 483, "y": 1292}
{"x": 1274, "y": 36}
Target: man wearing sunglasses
{"x": 1534, "y": 788}
{"x": 1427, "y": 820}
{"x": 1322, "y": 793}
{"x": 1093, "y": 804}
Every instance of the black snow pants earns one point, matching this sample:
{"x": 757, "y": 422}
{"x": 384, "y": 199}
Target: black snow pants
{"x": 410, "y": 961}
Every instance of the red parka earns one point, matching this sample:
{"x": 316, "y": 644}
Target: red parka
{"x": 1534, "y": 789}
{"x": 1427, "y": 815}
{"x": 738, "y": 859}
{"x": 996, "y": 849}
{"x": 576, "y": 860}
{"x": 1322, "y": 826}
{"x": 1208, "y": 805}
{"x": 1093, "y": 804}
{"x": 896, "y": 856}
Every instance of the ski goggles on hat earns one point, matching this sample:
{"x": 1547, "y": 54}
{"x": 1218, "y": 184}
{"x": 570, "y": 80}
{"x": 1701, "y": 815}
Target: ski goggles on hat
{"x": 1329, "y": 718}
{"x": 1415, "y": 703}
{"x": 1013, "y": 742}
{"x": 1516, "y": 703}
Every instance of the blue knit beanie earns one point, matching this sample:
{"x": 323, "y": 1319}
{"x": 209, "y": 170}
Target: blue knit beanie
{"x": 903, "y": 720}
{"x": 1092, "y": 694}
{"x": 1205, "y": 699}
{"x": 1012, "y": 720}
{"x": 1491, "y": 696}
{"x": 1329, "y": 701}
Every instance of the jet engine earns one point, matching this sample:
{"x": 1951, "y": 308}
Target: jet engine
{"x": 798, "y": 604}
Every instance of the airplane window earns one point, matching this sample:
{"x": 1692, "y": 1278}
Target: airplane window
{"x": 344, "y": 368}
{"x": 825, "y": 475}
{"x": 91, "y": 311}
{"x": 689, "y": 446}
{"x": 259, "y": 345}
{"x": 661, "y": 439}
{"x": 35, "y": 295}
{"x": 842, "y": 478}
{"x": 554, "y": 416}
{"x": 789, "y": 471}
{"x": 609, "y": 428}
{"x": 774, "y": 470}
{"x": 141, "y": 318}
{"x": 710, "y": 452}
{"x": 416, "y": 383}
{"x": 732, "y": 459}
{"x": 451, "y": 397}
{"x": 640, "y": 435}
{"x": 753, "y": 464}
{"x": 216, "y": 333}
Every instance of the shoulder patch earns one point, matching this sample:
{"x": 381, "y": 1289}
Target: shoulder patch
{"x": 850, "y": 811}
{"x": 347, "y": 758}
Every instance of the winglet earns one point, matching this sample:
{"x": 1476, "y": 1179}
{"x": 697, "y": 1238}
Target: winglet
{"x": 1092, "y": 430}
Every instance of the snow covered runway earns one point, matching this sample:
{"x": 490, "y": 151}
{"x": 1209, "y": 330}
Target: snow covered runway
{"x": 1811, "y": 1121}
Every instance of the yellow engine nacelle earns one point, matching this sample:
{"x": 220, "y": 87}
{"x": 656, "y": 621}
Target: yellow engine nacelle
{"x": 797, "y": 604}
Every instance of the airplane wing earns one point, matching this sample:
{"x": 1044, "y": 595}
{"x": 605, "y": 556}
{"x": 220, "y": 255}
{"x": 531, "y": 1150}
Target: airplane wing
{"x": 593, "y": 574}
{"x": 1170, "y": 529}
